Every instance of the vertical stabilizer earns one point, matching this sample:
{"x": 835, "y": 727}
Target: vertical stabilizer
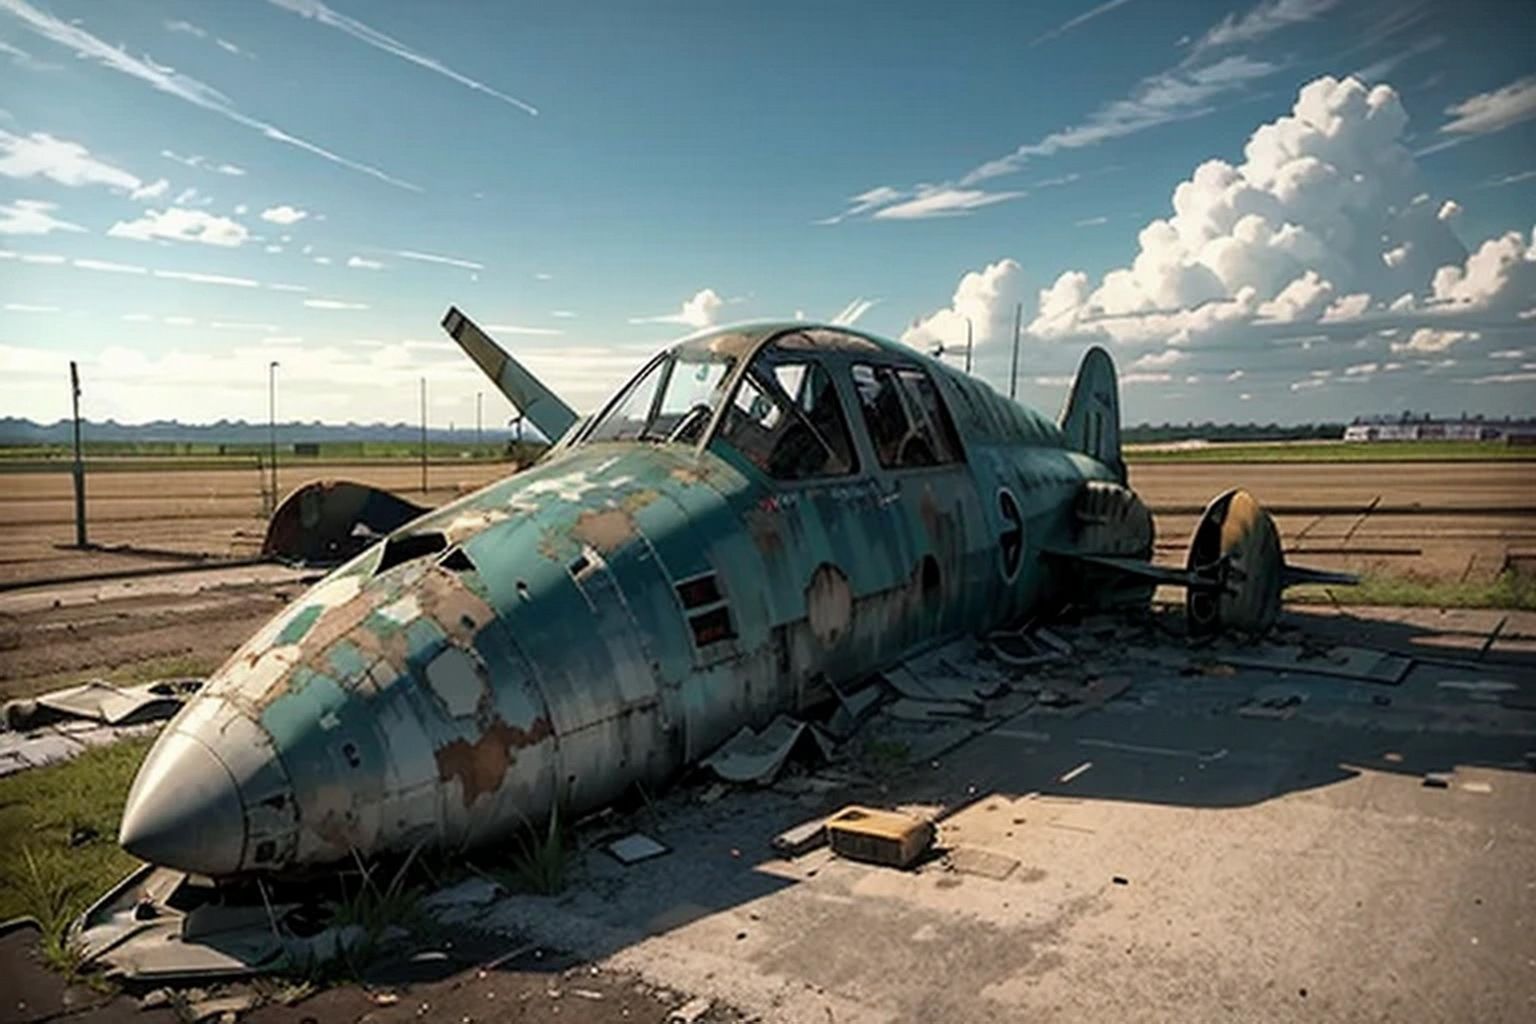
{"x": 1090, "y": 420}
{"x": 542, "y": 407}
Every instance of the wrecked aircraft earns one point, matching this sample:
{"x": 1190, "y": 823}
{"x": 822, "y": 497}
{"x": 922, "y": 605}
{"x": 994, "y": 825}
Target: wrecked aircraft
{"x": 762, "y": 514}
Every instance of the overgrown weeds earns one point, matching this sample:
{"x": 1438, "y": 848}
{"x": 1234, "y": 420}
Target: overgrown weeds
{"x": 1508, "y": 590}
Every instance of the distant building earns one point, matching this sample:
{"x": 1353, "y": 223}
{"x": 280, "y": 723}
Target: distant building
{"x": 1409, "y": 427}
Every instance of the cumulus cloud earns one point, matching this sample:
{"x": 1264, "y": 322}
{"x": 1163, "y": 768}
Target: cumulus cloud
{"x": 1428, "y": 339}
{"x": 702, "y": 310}
{"x": 1321, "y": 245}
{"x": 983, "y": 304}
{"x": 32, "y": 217}
{"x": 40, "y": 155}
{"x": 285, "y": 215}
{"x": 176, "y": 224}
{"x": 1500, "y": 275}
{"x": 1325, "y": 211}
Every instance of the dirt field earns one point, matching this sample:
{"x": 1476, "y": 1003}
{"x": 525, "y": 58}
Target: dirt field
{"x": 199, "y": 512}
{"x": 1445, "y": 521}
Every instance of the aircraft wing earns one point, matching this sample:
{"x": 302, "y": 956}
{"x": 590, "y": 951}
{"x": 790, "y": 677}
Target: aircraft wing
{"x": 1292, "y": 575}
{"x": 541, "y": 406}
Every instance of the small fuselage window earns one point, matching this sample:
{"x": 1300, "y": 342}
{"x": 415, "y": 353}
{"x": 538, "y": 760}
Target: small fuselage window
{"x": 907, "y": 421}
{"x": 786, "y": 419}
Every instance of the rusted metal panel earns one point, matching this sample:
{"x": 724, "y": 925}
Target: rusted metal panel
{"x": 606, "y": 617}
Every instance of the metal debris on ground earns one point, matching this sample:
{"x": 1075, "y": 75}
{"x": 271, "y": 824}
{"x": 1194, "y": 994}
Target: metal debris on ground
{"x": 971, "y": 860}
{"x": 62, "y": 742}
{"x": 100, "y": 701}
{"x": 691, "y": 1011}
{"x": 801, "y": 839}
{"x": 163, "y": 925}
{"x": 759, "y": 756}
{"x": 636, "y": 847}
{"x": 1345, "y": 662}
{"x": 1268, "y": 702}
{"x": 460, "y": 901}
{"x": 878, "y": 836}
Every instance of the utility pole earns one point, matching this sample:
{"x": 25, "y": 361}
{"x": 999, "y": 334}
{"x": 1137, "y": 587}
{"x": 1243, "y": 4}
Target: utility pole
{"x": 479, "y": 403}
{"x": 967, "y": 344}
{"x": 74, "y": 390}
{"x": 272, "y": 427}
{"x": 1013, "y": 377}
{"x": 423, "y": 435}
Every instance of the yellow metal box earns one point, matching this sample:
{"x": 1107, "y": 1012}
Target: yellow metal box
{"x": 882, "y": 837}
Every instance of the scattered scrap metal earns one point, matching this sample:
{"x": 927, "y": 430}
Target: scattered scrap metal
{"x": 61, "y": 725}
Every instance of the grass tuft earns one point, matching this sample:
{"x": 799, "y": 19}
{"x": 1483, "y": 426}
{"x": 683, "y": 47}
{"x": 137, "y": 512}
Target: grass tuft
{"x": 539, "y": 864}
{"x": 58, "y": 834}
{"x": 1508, "y": 590}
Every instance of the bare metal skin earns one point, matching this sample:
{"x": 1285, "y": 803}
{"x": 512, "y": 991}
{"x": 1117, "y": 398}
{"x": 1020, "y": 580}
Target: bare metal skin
{"x": 763, "y": 512}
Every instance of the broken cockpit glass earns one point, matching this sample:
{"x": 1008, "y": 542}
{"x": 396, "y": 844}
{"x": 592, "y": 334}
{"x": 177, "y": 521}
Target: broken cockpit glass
{"x": 671, "y": 400}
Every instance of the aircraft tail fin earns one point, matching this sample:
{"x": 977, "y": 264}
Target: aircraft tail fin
{"x": 1090, "y": 420}
{"x": 541, "y": 406}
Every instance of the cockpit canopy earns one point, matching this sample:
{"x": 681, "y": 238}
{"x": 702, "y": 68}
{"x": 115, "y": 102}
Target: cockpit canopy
{"x": 775, "y": 397}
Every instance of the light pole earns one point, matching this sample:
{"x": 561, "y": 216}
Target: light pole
{"x": 479, "y": 398}
{"x": 967, "y": 344}
{"x": 272, "y": 425}
{"x": 1013, "y": 374}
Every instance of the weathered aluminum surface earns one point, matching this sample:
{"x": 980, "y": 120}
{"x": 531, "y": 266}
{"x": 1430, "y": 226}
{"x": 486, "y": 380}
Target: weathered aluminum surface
{"x": 528, "y": 643}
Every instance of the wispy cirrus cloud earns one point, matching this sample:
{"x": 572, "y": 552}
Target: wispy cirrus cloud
{"x": 943, "y": 202}
{"x": 198, "y": 32}
{"x": 32, "y": 217}
{"x": 1487, "y": 112}
{"x": 1072, "y": 23}
{"x": 1261, "y": 20}
{"x": 197, "y": 160}
{"x": 854, "y": 311}
{"x": 1174, "y": 95}
{"x": 40, "y": 155}
{"x": 1178, "y": 94}
{"x": 173, "y": 83}
{"x": 523, "y": 330}
{"x": 334, "y": 304}
{"x": 429, "y": 257}
{"x": 324, "y": 15}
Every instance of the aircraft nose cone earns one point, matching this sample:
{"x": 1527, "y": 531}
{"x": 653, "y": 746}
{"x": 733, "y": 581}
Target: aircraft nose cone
{"x": 184, "y": 810}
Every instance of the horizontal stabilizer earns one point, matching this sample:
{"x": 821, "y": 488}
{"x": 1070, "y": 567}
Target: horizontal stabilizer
{"x": 1297, "y": 574}
{"x": 538, "y": 404}
{"x": 1140, "y": 569}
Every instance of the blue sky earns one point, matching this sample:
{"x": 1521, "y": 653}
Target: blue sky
{"x": 189, "y": 190}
